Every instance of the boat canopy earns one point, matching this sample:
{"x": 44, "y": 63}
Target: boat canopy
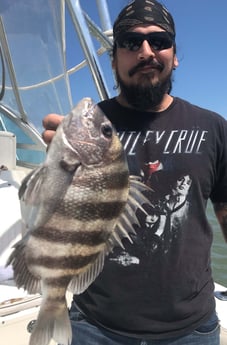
{"x": 45, "y": 46}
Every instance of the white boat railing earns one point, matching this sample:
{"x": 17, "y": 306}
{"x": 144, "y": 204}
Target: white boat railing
{"x": 16, "y": 107}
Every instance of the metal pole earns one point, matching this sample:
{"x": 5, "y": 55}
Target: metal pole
{"x": 104, "y": 15}
{"x": 87, "y": 46}
{"x": 11, "y": 71}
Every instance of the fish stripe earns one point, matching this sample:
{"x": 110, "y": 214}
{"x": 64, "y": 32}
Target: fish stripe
{"x": 52, "y": 234}
{"x": 92, "y": 211}
{"x": 57, "y": 282}
{"x": 113, "y": 180}
{"x": 63, "y": 262}
{"x": 53, "y": 300}
{"x": 117, "y": 180}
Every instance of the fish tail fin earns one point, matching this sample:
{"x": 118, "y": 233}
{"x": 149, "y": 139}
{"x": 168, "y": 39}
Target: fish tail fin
{"x": 52, "y": 322}
{"x": 62, "y": 333}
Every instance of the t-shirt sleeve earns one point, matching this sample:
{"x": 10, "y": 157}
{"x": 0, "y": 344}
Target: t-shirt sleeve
{"x": 219, "y": 192}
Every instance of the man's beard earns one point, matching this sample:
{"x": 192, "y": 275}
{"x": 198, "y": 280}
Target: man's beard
{"x": 144, "y": 96}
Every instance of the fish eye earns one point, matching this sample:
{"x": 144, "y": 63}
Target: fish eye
{"x": 107, "y": 130}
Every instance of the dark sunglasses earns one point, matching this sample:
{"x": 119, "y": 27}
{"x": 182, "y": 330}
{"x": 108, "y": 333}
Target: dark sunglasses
{"x": 157, "y": 40}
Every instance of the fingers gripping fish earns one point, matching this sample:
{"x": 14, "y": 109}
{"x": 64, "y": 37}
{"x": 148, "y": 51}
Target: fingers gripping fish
{"x": 76, "y": 207}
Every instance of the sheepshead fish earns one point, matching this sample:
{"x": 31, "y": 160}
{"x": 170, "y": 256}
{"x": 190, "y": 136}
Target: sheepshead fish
{"x": 76, "y": 207}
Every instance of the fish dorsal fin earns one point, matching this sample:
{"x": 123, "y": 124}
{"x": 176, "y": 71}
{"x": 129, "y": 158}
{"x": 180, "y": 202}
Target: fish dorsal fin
{"x": 136, "y": 200}
{"x": 123, "y": 229}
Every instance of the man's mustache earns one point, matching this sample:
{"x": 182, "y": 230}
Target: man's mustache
{"x": 144, "y": 63}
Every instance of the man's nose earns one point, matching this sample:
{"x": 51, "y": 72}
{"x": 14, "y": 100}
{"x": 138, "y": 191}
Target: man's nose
{"x": 146, "y": 51}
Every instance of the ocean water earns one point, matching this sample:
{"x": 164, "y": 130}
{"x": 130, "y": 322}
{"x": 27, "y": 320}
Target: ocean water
{"x": 219, "y": 250}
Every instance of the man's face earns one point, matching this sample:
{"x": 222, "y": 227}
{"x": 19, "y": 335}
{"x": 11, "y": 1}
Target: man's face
{"x": 182, "y": 185}
{"x": 146, "y": 70}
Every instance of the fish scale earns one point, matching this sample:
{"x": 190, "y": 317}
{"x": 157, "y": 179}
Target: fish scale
{"x": 76, "y": 207}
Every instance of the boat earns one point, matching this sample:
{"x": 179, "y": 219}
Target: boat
{"x": 37, "y": 78}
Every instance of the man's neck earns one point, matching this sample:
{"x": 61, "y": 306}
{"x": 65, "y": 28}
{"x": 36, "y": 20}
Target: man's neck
{"x": 165, "y": 103}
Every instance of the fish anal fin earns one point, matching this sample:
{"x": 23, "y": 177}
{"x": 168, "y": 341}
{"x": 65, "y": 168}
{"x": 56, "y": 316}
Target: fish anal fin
{"x": 80, "y": 282}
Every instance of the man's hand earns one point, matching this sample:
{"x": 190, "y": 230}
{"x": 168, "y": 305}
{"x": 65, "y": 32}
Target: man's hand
{"x": 50, "y": 124}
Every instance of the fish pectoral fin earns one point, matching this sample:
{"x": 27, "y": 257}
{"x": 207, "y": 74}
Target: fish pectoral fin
{"x": 30, "y": 188}
{"x": 41, "y": 192}
{"x": 22, "y": 276}
{"x": 30, "y": 195}
{"x": 80, "y": 282}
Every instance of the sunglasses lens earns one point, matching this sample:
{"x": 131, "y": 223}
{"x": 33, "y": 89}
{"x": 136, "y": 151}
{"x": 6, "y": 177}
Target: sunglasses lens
{"x": 160, "y": 41}
{"x": 132, "y": 43}
{"x": 157, "y": 40}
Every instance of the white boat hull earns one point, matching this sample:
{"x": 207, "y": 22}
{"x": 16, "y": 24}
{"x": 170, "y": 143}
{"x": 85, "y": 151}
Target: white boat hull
{"x": 221, "y": 308}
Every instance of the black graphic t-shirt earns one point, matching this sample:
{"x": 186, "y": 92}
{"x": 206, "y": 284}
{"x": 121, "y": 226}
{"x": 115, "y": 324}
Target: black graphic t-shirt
{"x": 160, "y": 286}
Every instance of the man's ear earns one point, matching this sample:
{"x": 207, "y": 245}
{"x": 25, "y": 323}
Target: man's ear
{"x": 175, "y": 62}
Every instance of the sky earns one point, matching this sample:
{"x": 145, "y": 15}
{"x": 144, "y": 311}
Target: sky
{"x": 201, "y": 39}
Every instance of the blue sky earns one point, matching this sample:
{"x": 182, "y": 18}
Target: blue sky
{"x": 201, "y": 77}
